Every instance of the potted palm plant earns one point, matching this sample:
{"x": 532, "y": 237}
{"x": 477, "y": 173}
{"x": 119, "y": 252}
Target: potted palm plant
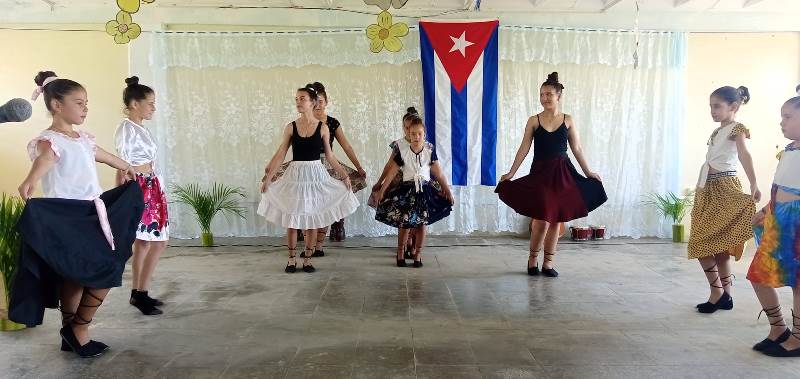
{"x": 10, "y": 240}
{"x": 674, "y": 207}
{"x": 207, "y": 203}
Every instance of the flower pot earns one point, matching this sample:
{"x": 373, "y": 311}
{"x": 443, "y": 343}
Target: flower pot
{"x": 207, "y": 239}
{"x": 678, "y": 233}
{"x": 8, "y": 325}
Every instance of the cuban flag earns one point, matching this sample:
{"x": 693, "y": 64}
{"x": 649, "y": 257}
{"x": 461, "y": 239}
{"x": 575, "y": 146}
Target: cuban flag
{"x": 459, "y": 74}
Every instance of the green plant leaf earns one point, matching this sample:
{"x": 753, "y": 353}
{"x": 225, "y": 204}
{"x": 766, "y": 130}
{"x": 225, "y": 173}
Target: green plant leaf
{"x": 670, "y": 205}
{"x": 207, "y": 203}
{"x": 10, "y": 240}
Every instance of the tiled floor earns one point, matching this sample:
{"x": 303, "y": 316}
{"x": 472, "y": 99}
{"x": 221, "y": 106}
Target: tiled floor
{"x": 620, "y": 309}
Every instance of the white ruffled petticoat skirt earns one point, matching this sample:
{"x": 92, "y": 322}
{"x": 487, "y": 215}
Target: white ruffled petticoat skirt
{"x": 306, "y": 197}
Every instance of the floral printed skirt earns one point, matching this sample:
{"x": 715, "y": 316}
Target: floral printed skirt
{"x": 396, "y": 181}
{"x": 404, "y": 207}
{"x": 154, "y": 225}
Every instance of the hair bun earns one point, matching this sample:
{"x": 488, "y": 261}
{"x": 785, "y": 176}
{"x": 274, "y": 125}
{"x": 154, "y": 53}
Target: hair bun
{"x": 414, "y": 119}
{"x": 552, "y": 81}
{"x": 744, "y": 93}
{"x": 318, "y": 87}
{"x": 311, "y": 88}
{"x": 411, "y": 110}
{"x": 42, "y": 76}
{"x": 132, "y": 81}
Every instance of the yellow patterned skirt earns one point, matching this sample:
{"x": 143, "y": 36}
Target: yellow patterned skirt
{"x": 721, "y": 219}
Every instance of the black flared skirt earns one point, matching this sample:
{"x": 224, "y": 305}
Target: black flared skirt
{"x": 62, "y": 240}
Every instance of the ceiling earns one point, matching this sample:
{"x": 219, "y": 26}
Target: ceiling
{"x": 692, "y": 15}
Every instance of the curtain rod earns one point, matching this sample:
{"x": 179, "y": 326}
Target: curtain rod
{"x": 410, "y": 27}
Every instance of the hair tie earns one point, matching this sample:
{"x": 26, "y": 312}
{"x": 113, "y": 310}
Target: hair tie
{"x": 40, "y": 89}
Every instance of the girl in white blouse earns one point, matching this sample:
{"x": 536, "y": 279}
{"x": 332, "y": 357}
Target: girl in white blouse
{"x": 64, "y": 160}
{"x": 722, "y": 212}
{"x": 135, "y": 144}
{"x": 415, "y": 203}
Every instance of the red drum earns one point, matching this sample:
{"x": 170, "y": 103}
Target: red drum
{"x": 581, "y": 233}
{"x": 598, "y": 232}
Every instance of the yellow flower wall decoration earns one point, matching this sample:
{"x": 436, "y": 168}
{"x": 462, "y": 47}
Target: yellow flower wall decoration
{"x": 385, "y": 4}
{"x": 129, "y": 6}
{"x": 384, "y": 34}
{"x": 123, "y": 28}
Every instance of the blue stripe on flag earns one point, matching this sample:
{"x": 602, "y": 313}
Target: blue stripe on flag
{"x": 489, "y": 127}
{"x": 458, "y": 132}
{"x": 429, "y": 85}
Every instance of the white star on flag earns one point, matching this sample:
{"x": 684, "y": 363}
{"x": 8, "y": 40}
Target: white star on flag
{"x": 460, "y": 44}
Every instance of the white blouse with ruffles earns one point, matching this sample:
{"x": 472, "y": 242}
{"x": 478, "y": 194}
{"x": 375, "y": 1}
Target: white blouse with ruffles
{"x": 135, "y": 144}
{"x": 74, "y": 176}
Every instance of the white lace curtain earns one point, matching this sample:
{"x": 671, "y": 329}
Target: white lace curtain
{"x": 223, "y": 99}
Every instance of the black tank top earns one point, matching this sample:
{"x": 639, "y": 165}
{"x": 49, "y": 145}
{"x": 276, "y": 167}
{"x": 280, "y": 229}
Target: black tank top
{"x": 548, "y": 145}
{"x": 306, "y": 148}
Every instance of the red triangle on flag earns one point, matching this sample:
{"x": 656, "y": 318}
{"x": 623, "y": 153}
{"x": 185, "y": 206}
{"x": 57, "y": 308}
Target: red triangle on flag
{"x": 458, "y": 45}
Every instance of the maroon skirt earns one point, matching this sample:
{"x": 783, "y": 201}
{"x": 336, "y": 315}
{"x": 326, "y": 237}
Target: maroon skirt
{"x": 553, "y": 191}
